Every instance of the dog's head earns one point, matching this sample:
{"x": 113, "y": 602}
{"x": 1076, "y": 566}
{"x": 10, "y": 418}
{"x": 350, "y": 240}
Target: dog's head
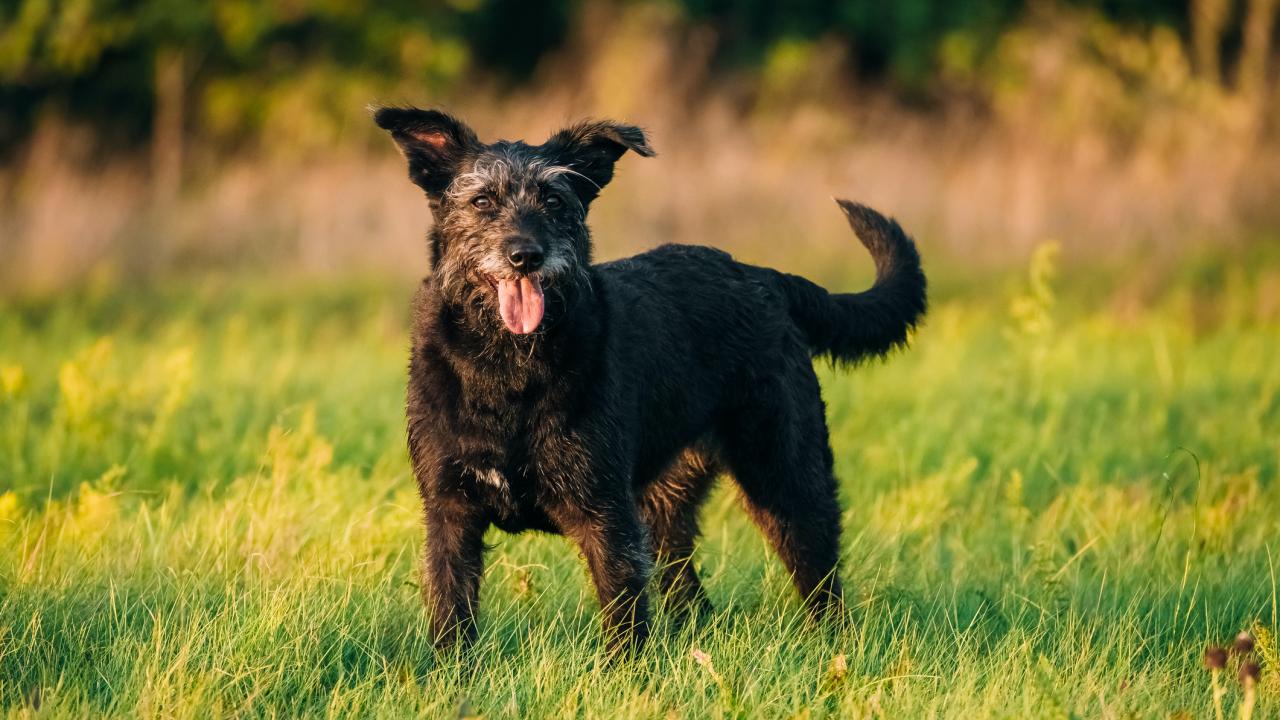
{"x": 510, "y": 217}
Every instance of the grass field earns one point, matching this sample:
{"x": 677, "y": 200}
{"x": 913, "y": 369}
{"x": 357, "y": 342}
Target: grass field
{"x": 1054, "y": 501}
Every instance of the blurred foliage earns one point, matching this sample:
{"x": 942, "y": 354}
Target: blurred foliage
{"x": 249, "y": 61}
{"x": 898, "y": 40}
{"x": 252, "y": 67}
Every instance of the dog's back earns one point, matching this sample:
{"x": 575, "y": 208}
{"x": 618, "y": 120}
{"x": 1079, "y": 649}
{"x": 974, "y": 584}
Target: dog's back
{"x": 690, "y": 325}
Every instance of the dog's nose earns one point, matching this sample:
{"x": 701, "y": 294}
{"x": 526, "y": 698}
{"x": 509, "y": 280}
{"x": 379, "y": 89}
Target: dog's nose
{"x": 526, "y": 256}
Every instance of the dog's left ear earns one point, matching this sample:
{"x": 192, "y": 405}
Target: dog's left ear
{"x": 590, "y": 149}
{"x": 433, "y": 143}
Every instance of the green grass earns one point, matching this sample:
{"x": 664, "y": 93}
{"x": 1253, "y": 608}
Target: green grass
{"x": 1053, "y": 505}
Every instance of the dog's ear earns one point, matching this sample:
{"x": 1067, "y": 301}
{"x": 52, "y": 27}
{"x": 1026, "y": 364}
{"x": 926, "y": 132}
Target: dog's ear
{"x": 434, "y": 143}
{"x": 591, "y": 148}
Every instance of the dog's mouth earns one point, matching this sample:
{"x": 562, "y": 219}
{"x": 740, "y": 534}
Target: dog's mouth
{"x": 520, "y": 302}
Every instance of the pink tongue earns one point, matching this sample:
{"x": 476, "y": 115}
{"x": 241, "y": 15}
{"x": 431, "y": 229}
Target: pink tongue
{"x": 520, "y": 304}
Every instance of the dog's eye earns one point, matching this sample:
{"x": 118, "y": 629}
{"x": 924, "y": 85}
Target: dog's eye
{"x": 482, "y": 202}
{"x": 553, "y": 202}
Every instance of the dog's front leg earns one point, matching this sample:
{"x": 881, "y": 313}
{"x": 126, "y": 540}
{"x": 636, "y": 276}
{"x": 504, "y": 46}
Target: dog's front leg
{"x": 452, "y": 567}
{"x": 616, "y": 547}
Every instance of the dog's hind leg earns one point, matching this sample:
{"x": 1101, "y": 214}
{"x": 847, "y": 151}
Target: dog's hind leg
{"x": 670, "y": 507}
{"x": 778, "y": 452}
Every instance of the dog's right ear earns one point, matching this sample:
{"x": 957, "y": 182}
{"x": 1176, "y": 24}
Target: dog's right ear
{"x": 591, "y": 148}
{"x": 433, "y": 143}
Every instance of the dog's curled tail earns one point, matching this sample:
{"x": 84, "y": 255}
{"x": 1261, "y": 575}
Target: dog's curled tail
{"x": 854, "y": 326}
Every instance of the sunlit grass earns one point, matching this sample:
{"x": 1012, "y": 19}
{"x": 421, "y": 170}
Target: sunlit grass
{"x": 1054, "y": 502}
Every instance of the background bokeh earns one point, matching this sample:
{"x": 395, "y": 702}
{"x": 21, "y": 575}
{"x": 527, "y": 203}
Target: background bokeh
{"x": 169, "y": 136}
{"x": 1054, "y": 501}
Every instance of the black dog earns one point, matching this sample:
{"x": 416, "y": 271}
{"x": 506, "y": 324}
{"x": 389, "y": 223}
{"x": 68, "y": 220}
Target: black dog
{"x": 601, "y": 401}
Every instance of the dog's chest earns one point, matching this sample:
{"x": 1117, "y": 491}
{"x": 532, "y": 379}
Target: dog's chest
{"x": 512, "y": 499}
{"x": 507, "y": 433}
{"x": 504, "y": 455}
{"x": 518, "y": 474}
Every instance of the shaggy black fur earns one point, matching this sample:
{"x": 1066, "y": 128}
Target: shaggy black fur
{"x": 607, "y": 416}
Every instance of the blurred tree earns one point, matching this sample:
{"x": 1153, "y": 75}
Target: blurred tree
{"x": 898, "y": 39}
{"x": 135, "y": 67}
{"x": 1259, "y": 25}
{"x": 1208, "y": 21}
{"x": 295, "y": 72}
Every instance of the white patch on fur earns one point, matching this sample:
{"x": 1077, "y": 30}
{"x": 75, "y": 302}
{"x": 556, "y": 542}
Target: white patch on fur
{"x": 490, "y": 477}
